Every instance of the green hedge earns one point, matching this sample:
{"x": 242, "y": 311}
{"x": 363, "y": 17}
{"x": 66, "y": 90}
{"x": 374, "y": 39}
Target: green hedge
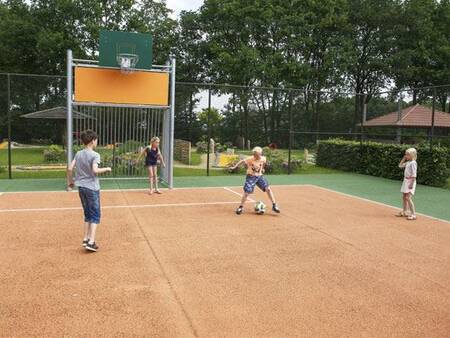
{"x": 378, "y": 159}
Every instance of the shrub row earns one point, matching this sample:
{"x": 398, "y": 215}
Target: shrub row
{"x": 378, "y": 159}
{"x": 276, "y": 163}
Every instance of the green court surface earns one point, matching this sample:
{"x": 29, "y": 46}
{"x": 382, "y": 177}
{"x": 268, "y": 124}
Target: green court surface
{"x": 429, "y": 200}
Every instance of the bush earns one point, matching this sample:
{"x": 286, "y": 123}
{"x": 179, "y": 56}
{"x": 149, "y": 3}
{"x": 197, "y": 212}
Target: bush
{"x": 129, "y": 146}
{"x": 378, "y": 159}
{"x": 54, "y": 153}
{"x": 202, "y": 147}
{"x": 276, "y": 162}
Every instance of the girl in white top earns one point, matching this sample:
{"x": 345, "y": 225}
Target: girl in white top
{"x": 409, "y": 164}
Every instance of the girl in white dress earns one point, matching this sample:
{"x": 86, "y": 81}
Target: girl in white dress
{"x": 409, "y": 164}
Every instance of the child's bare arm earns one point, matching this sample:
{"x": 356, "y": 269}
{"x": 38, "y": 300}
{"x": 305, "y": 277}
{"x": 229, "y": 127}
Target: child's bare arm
{"x": 402, "y": 162}
{"x": 162, "y": 159}
{"x": 98, "y": 170}
{"x": 70, "y": 174}
{"x": 237, "y": 165}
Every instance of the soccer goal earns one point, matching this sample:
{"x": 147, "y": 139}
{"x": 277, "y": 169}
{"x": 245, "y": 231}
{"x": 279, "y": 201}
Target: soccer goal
{"x": 124, "y": 98}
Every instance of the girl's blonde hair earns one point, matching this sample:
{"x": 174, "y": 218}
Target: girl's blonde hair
{"x": 412, "y": 152}
{"x": 154, "y": 139}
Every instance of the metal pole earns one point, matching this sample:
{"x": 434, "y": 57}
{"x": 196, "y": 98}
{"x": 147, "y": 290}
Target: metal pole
{"x": 290, "y": 133}
{"x": 209, "y": 132}
{"x": 432, "y": 119}
{"x": 172, "y": 122}
{"x": 9, "y": 127}
{"x": 69, "y": 107}
{"x": 363, "y": 116}
{"x": 399, "y": 117}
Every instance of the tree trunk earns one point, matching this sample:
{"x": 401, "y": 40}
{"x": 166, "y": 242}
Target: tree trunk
{"x": 272, "y": 118}
{"x": 443, "y": 102}
{"x": 356, "y": 118}
{"x": 317, "y": 113}
{"x": 191, "y": 115}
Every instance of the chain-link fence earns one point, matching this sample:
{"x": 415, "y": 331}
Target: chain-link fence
{"x": 216, "y": 125}
{"x": 224, "y": 122}
{"x": 30, "y": 120}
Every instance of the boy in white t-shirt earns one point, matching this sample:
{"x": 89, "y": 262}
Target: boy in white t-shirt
{"x": 255, "y": 170}
{"x": 409, "y": 164}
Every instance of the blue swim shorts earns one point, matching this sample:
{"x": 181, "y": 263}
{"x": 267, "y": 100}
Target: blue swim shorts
{"x": 252, "y": 181}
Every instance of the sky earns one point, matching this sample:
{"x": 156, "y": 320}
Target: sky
{"x": 178, "y": 5}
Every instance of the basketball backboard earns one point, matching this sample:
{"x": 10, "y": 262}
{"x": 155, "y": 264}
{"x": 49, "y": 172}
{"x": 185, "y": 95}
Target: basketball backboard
{"x": 114, "y": 43}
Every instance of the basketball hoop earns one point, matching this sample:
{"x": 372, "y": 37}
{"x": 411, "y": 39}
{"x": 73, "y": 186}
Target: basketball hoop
{"x": 127, "y": 62}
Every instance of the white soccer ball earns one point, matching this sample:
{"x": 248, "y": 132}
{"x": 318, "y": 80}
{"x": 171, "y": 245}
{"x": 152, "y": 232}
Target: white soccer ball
{"x": 260, "y": 208}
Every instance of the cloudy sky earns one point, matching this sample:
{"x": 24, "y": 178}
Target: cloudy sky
{"x": 178, "y": 5}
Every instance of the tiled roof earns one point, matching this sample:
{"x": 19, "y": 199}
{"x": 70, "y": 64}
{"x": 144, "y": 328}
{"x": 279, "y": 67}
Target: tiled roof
{"x": 412, "y": 116}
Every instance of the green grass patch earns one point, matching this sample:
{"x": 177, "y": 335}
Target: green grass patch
{"x": 196, "y": 158}
{"x": 178, "y": 172}
{"x": 23, "y": 156}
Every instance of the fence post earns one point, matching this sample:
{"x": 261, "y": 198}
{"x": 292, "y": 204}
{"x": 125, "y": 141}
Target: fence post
{"x": 209, "y": 131}
{"x": 69, "y": 108}
{"x": 9, "y": 125}
{"x": 172, "y": 119}
{"x": 399, "y": 117}
{"x": 433, "y": 109}
{"x": 290, "y": 133}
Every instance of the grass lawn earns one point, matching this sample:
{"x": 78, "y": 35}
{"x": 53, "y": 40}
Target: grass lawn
{"x": 21, "y": 156}
{"x": 196, "y": 158}
{"x": 178, "y": 172}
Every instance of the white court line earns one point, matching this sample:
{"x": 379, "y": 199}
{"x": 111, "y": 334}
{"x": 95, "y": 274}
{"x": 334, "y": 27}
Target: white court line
{"x": 240, "y": 195}
{"x": 142, "y": 189}
{"x": 228, "y": 188}
{"x": 121, "y": 206}
{"x": 374, "y": 202}
{"x": 112, "y": 190}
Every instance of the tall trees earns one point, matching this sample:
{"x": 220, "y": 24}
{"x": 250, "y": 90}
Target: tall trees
{"x": 320, "y": 46}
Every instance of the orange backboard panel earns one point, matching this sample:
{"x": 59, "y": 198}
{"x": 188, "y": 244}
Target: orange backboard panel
{"x": 112, "y": 86}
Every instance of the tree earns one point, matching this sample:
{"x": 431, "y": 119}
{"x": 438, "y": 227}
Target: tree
{"x": 369, "y": 45}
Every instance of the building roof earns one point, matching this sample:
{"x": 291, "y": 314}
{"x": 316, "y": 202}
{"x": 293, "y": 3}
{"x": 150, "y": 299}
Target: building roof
{"x": 56, "y": 113}
{"x": 412, "y": 116}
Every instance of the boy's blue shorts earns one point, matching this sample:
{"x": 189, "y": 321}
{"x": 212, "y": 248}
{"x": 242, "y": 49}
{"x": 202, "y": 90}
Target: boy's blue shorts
{"x": 90, "y": 200}
{"x": 252, "y": 181}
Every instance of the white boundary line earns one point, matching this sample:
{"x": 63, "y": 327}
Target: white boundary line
{"x": 122, "y": 206}
{"x": 240, "y": 195}
{"x": 374, "y": 202}
{"x": 111, "y": 190}
{"x": 226, "y": 188}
